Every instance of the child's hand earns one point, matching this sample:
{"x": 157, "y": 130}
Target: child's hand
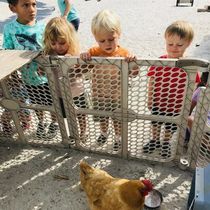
{"x": 130, "y": 58}
{"x": 40, "y": 71}
{"x": 85, "y": 56}
{"x": 64, "y": 16}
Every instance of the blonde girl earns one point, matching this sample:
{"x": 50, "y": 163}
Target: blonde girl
{"x": 60, "y": 38}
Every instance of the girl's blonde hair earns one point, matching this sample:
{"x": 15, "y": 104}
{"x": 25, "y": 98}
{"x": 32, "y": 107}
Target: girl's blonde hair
{"x": 59, "y": 28}
{"x": 181, "y": 28}
{"x": 106, "y": 20}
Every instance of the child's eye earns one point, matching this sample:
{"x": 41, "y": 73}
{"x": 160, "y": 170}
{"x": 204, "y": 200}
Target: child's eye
{"x": 25, "y": 5}
{"x": 110, "y": 40}
{"x": 102, "y": 41}
{"x": 180, "y": 45}
{"x": 62, "y": 43}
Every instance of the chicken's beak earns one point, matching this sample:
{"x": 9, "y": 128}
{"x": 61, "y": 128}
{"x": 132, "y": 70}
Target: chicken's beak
{"x": 85, "y": 169}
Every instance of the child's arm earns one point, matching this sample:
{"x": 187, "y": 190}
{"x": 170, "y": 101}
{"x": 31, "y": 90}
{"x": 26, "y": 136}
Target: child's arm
{"x": 135, "y": 69}
{"x": 195, "y": 98}
{"x": 41, "y": 71}
{"x": 68, "y": 8}
{"x": 150, "y": 93}
{"x": 193, "y": 105}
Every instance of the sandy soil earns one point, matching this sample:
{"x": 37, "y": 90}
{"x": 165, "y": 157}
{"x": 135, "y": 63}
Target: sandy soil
{"x": 28, "y": 175}
{"x": 28, "y": 178}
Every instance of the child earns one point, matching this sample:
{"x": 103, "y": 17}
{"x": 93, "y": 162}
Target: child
{"x": 106, "y": 94}
{"x": 195, "y": 98}
{"x": 25, "y": 33}
{"x": 167, "y": 86}
{"x": 69, "y": 12}
{"x": 18, "y": 93}
{"x": 205, "y": 143}
{"x": 60, "y": 38}
{"x": 196, "y": 94}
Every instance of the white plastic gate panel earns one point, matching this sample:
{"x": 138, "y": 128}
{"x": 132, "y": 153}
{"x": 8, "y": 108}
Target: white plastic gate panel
{"x": 112, "y": 91}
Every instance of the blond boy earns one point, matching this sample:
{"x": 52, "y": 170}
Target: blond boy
{"x": 106, "y": 88}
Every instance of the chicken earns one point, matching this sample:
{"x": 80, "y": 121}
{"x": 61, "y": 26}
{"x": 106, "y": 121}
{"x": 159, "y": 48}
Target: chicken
{"x": 105, "y": 192}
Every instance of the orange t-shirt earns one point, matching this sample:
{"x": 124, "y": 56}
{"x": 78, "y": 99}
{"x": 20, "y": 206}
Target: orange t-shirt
{"x": 120, "y": 52}
{"x": 106, "y": 78}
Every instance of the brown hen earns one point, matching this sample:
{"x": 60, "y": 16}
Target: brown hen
{"x": 105, "y": 192}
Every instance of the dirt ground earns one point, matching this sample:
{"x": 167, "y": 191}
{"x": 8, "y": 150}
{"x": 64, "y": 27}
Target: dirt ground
{"x": 29, "y": 178}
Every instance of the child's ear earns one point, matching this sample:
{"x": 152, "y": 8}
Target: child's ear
{"x": 12, "y": 8}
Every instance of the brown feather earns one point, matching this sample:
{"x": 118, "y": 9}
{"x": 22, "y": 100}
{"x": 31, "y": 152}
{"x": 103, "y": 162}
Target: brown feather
{"x": 105, "y": 192}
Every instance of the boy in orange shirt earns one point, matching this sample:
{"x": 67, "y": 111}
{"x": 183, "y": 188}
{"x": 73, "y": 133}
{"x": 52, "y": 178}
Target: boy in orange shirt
{"x": 106, "y": 87}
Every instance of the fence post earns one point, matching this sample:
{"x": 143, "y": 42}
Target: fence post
{"x": 51, "y": 74}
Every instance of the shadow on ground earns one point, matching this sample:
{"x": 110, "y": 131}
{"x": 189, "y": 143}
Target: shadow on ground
{"x": 28, "y": 178}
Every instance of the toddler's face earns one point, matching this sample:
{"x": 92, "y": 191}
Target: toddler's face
{"x": 108, "y": 41}
{"x": 60, "y": 46}
{"x": 26, "y": 11}
{"x": 175, "y": 46}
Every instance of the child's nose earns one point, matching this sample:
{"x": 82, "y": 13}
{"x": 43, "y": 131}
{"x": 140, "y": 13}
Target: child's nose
{"x": 32, "y": 8}
{"x": 57, "y": 46}
{"x": 108, "y": 42}
{"x": 174, "y": 47}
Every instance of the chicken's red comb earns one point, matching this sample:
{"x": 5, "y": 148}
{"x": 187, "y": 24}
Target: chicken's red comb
{"x": 148, "y": 186}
